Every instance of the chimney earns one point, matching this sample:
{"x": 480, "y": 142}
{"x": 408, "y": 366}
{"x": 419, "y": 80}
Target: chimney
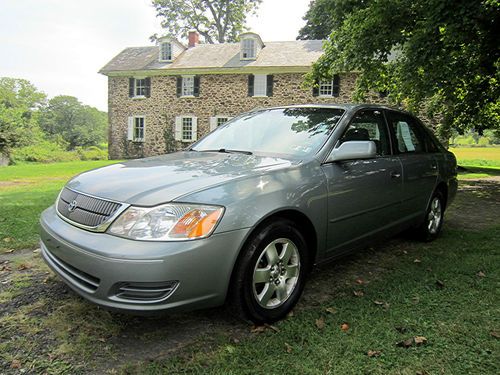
{"x": 194, "y": 38}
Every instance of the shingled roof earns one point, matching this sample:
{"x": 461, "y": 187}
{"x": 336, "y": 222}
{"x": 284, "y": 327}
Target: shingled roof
{"x": 293, "y": 54}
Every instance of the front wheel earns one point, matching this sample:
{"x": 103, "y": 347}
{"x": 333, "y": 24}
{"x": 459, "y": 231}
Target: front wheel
{"x": 434, "y": 217}
{"x": 270, "y": 275}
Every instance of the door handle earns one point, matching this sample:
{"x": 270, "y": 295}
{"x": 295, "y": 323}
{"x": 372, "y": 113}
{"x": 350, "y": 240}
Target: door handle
{"x": 395, "y": 174}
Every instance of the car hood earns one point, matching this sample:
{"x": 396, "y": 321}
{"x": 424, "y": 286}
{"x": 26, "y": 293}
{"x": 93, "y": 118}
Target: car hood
{"x": 164, "y": 178}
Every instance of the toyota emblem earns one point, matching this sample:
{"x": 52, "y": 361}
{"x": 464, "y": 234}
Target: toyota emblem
{"x": 72, "y": 206}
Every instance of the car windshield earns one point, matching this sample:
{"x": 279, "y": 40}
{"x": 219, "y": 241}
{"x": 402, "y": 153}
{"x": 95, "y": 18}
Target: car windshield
{"x": 293, "y": 132}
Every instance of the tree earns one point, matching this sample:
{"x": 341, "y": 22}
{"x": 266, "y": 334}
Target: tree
{"x": 216, "y": 20}
{"x": 76, "y": 124}
{"x": 439, "y": 55}
{"x": 20, "y": 102}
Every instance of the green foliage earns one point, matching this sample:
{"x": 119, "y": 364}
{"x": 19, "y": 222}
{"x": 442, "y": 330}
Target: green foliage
{"x": 50, "y": 152}
{"x": 92, "y": 153}
{"x": 441, "y": 55}
{"x": 19, "y": 102}
{"x": 216, "y": 20}
{"x": 78, "y": 125}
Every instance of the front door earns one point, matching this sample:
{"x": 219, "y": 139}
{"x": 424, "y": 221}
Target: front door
{"x": 363, "y": 195}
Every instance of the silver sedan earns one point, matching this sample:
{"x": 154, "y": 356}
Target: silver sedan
{"x": 245, "y": 212}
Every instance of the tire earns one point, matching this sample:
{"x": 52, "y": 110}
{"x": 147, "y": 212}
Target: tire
{"x": 430, "y": 229}
{"x": 270, "y": 274}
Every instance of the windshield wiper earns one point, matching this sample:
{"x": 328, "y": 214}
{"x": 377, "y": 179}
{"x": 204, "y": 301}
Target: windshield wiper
{"x": 227, "y": 151}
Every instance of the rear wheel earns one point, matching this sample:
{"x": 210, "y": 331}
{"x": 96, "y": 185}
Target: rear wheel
{"x": 270, "y": 275}
{"x": 434, "y": 217}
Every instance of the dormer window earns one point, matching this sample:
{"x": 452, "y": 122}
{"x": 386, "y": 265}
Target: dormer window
{"x": 250, "y": 46}
{"x": 248, "y": 50}
{"x": 166, "y": 51}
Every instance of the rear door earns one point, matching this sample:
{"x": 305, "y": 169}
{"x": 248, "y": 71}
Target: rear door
{"x": 420, "y": 167}
{"x": 363, "y": 195}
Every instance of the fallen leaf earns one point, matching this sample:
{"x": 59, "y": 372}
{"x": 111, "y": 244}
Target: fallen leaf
{"x": 10, "y": 251}
{"x": 271, "y": 327}
{"x": 331, "y": 310}
{"x": 288, "y": 348}
{"x": 495, "y": 334}
{"x": 379, "y": 303}
{"x": 406, "y": 343}
{"x": 23, "y": 267}
{"x": 481, "y": 274}
{"x": 290, "y": 314}
{"x": 5, "y": 268}
{"x": 359, "y": 293}
{"x": 15, "y": 364}
{"x": 236, "y": 341}
{"x": 405, "y": 252}
{"x": 423, "y": 372}
{"x": 344, "y": 327}
{"x": 417, "y": 261}
{"x": 320, "y": 323}
{"x": 373, "y": 353}
{"x": 257, "y": 329}
{"x": 7, "y": 239}
{"x": 36, "y": 251}
{"x": 439, "y": 284}
{"x": 101, "y": 339}
{"x": 360, "y": 281}
{"x": 420, "y": 340}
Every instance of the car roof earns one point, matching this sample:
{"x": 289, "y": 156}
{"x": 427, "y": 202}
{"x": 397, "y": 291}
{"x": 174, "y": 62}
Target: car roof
{"x": 345, "y": 106}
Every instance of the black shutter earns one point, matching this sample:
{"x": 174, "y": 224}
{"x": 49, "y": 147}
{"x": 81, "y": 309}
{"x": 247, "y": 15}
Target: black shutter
{"x": 196, "y": 91}
{"x": 270, "y": 82}
{"x": 147, "y": 89}
{"x": 316, "y": 88}
{"x": 336, "y": 85}
{"x": 250, "y": 84}
{"x": 131, "y": 87}
{"x": 179, "y": 87}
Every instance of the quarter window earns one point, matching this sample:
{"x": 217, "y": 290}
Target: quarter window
{"x": 408, "y": 136}
{"x": 369, "y": 125}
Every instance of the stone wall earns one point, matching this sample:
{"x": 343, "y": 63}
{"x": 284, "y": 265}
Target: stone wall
{"x": 224, "y": 95}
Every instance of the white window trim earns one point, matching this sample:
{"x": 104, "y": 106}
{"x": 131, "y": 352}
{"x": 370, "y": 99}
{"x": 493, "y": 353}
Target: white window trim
{"x": 331, "y": 89}
{"x": 135, "y": 89}
{"x": 160, "y": 57}
{"x": 131, "y": 129}
{"x": 182, "y": 87}
{"x": 179, "y": 136}
{"x": 214, "y": 119}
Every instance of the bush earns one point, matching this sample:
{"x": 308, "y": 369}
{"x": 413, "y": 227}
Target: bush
{"x": 49, "y": 152}
{"x": 92, "y": 153}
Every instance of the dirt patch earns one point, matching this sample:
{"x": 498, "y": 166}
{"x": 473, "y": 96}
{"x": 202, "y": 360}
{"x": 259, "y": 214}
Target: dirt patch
{"x": 45, "y": 327}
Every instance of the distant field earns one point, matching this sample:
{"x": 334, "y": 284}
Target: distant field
{"x": 478, "y": 156}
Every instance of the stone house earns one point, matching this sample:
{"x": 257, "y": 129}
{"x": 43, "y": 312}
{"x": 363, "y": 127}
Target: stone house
{"x": 164, "y": 97}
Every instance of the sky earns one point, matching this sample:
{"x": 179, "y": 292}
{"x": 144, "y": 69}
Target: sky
{"x": 59, "y": 45}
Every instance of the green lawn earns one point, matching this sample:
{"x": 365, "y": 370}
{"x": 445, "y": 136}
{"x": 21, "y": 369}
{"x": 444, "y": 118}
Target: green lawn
{"x": 25, "y": 191}
{"x": 477, "y": 156}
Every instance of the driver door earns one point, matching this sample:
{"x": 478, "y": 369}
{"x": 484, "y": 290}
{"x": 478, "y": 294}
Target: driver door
{"x": 363, "y": 195}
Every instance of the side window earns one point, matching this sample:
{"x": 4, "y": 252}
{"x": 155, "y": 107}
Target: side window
{"x": 408, "y": 135}
{"x": 369, "y": 125}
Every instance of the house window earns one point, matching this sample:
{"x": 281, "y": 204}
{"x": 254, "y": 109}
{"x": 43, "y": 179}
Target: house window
{"x": 248, "y": 50}
{"x": 136, "y": 127}
{"x": 217, "y": 121}
{"x": 329, "y": 88}
{"x": 166, "y": 51}
{"x": 139, "y": 87}
{"x": 186, "y": 128}
{"x": 260, "y": 85}
{"x": 188, "y": 86}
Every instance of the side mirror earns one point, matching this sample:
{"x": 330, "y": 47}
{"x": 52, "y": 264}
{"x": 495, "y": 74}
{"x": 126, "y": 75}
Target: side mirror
{"x": 352, "y": 150}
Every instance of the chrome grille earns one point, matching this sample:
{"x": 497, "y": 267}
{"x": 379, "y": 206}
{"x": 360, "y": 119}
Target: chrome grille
{"x": 85, "y": 210}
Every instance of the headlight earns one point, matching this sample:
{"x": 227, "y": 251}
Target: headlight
{"x": 168, "y": 222}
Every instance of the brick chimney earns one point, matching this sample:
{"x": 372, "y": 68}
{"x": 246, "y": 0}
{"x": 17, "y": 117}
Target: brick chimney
{"x": 194, "y": 38}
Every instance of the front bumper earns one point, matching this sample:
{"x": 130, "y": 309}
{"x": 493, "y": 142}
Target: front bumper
{"x": 140, "y": 276}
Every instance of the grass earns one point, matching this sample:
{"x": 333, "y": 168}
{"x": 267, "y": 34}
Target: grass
{"x": 440, "y": 296}
{"x": 478, "y": 156}
{"x": 25, "y": 191}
